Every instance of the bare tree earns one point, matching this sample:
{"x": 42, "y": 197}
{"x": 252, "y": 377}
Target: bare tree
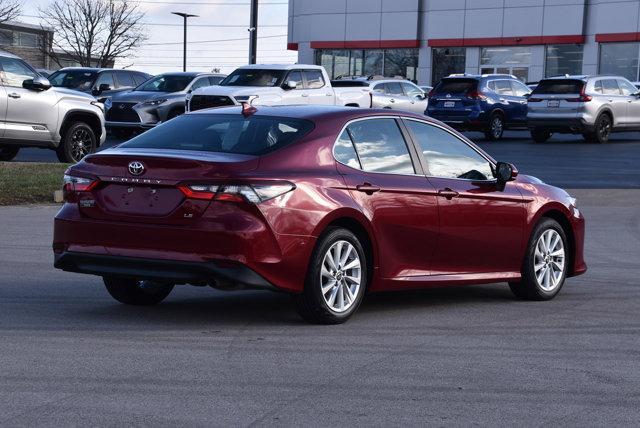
{"x": 10, "y": 10}
{"x": 90, "y": 31}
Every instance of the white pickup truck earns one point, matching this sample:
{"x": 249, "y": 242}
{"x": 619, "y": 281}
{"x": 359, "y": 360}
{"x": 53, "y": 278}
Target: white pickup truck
{"x": 289, "y": 84}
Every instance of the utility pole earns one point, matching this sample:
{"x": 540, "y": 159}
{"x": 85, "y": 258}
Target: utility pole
{"x": 184, "y": 51}
{"x": 253, "y": 32}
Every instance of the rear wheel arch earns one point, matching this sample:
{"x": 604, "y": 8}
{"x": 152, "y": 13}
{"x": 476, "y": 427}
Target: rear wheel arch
{"x": 608, "y": 112}
{"x": 81, "y": 116}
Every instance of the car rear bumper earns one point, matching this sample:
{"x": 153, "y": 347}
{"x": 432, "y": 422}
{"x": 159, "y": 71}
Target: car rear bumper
{"x": 464, "y": 120}
{"x": 211, "y": 272}
{"x": 571, "y": 125}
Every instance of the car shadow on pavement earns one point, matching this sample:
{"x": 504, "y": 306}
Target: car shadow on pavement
{"x": 268, "y": 309}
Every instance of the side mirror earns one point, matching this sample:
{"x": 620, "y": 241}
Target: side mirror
{"x": 103, "y": 87}
{"x": 527, "y": 96}
{"x": 38, "y": 83}
{"x": 290, "y": 84}
{"x": 505, "y": 172}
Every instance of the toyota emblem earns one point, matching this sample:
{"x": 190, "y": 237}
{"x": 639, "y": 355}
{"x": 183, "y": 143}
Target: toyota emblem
{"x": 136, "y": 168}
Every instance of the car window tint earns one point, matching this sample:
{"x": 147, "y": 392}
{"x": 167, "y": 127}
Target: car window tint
{"x": 411, "y": 90}
{"x": 296, "y": 76}
{"x": 492, "y": 85}
{"x": 610, "y": 87}
{"x": 597, "y": 87}
{"x": 105, "y": 78}
{"x": 626, "y": 87}
{"x": 519, "y": 89}
{"x": 214, "y": 80}
{"x": 394, "y": 88}
{"x": 14, "y": 72}
{"x": 447, "y": 156}
{"x": 124, "y": 78}
{"x": 503, "y": 87}
{"x": 200, "y": 83}
{"x": 139, "y": 78}
{"x": 381, "y": 146}
{"x": 314, "y": 79}
{"x": 344, "y": 151}
{"x": 379, "y": 88}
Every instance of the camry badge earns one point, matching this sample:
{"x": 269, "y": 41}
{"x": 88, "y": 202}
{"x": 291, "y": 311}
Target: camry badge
{"x": 136, "y": 168}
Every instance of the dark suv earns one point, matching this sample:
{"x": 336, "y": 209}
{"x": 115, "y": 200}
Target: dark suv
{"x": 489, "y": 103}
{"x": 102, "y": 83}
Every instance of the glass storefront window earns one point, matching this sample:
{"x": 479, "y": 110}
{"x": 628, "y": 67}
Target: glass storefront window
{"x": 365, "y": 62}
{"x": 447, "y": 61}
{"x": 506, "y": 56}
{"x": 563, "y": 59}
{"x": 620, "y": 59}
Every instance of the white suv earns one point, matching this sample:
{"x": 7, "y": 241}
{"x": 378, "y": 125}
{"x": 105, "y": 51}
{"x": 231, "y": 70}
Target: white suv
{"x": 34, "y": 114}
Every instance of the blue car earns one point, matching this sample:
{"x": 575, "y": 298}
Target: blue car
{"x": 489, "y": 103}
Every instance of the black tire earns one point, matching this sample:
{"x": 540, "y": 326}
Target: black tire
{"x": 496, "y": 127}
{"x": 311, "y": 303}
{"x": 602, "y": 130}
{"x": 8, "y": 153}
{"x": 529, "y": 287}
{"x": 136, "y": 292}
{"x": 540, "y": 135}
{"x": 77, "y": 142}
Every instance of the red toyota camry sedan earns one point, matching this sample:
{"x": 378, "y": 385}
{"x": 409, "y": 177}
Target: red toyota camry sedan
{"x": 324, "y": 203}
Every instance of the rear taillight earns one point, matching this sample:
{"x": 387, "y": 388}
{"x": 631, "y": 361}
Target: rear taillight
{"x": 476, "y": 95}
{"x": 72, "y": 186}
{"x": 583, "y": 98}
{"x": 253, "y": 193}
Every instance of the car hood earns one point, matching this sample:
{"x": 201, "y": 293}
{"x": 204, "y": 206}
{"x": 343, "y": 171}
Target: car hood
{"x": 72, "y": 93}
{"x": 139, "y": 96}
{"x": 234, "y": 90}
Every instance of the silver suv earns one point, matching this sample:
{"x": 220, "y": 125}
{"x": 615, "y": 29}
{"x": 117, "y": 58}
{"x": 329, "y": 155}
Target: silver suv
{"x": 594, "y": 106}
{"x": 395, "y": 94}
{"x": 34, "y": 114}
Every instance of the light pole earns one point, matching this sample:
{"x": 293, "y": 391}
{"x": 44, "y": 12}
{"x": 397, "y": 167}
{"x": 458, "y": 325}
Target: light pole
{"x": 184, "y": 52}
{"x": 253, "y": 32}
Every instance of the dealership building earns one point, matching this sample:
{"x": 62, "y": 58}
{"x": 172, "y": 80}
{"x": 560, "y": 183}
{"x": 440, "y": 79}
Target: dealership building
{"x": 425, "y": 40}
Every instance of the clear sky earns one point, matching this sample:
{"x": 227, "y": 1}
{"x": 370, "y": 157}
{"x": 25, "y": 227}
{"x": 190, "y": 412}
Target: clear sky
{"x": 218, "y": 20}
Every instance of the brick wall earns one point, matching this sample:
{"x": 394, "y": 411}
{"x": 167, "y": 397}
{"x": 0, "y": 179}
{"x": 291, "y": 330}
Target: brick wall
{"x": 33, "y": 56}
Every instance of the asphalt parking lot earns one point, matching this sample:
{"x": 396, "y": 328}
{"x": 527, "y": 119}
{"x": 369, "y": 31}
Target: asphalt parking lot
{"x": 564, "y": 161}
{"x": 70, "y": 355}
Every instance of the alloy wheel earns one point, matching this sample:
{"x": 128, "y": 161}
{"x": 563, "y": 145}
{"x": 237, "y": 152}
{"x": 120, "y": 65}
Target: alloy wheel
{"x": 340, "y": 276}
{"x": 496, "y": 127}
{"x": 604, "y": 130}
{"x": 549, "y": 260}
{"x": 81, "y": 143}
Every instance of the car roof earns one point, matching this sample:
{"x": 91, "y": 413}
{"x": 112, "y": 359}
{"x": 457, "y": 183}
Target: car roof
{"x": 8, "y": 55}
{"x": 481, "y": 76}
{"x": 313, "y": 112}
{"x": 583, "y": 77}
{"x": 98, "y": 69}
{"x": 280, "y": 67}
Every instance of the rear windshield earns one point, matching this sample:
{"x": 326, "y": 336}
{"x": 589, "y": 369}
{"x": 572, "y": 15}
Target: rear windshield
{"x": 223, "y": 133}
{"x": 456, "y": 86}
{"x": 558, "y": 86}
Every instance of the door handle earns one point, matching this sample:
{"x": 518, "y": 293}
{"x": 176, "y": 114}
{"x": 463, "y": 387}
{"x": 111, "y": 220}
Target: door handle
{"x": 305, "y": 95}
{"x": 392, "y": 100}
{"x": 367, "y": 188}
{"x": 14, "y": 95}
{"x": 448, "y": 193}
{"x": 610, "y": 100}
{"x": 502, "y": 100}
{"x": 328, "y": 94}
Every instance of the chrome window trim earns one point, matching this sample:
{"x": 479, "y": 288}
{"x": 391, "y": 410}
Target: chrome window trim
{"x": 483, "y": 155}
{"x": 360, "y": 119}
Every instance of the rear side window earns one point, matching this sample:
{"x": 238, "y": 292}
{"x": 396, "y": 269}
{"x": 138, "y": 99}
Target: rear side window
{"x": 345, "y": 152}
{"x": 627, "y": 87}
{"x": 254, "y": 135}
{"x": 597, "y": 87}
{"x": 456, "y": 86}
{"x": 124, "y": 78}
{"x": 610, "y": 87}
{"x": 503, "y": 87}
{"x": 139, "y": 78}
{"x": 381, "y": 146}
{"x": 558, "y": 86}
{"x": 393, "y": 89}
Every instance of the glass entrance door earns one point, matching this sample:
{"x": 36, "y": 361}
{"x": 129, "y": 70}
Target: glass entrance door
{"x": 513, "y": 60}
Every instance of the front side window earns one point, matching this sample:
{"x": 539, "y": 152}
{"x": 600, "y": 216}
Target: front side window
{"x": 166, "y": 83}
{"x": 125, "y": 79}
{"x": 200, "y": 83}
{"x": 519, "y": 89}
{"x": 394, "y": 88}
{"x": 14, "y": 72}
{"x": 253, "y": 135}
{"x": 314, "y": 79}
{"x": 412, "y": 90}
{"x": 381, "y": 146}
{"x": 447, "y": 156}
{"x": 626, "y": 87}
{"x": 295, "y": 76}
{"x": 73, "y": 79}
{"x": 215, "y": 80}
{"x": 105, "y": 79}
{"x": 253, "y": 77}
{"x": 503, "y": 87}
{"x": 563, "y": 59}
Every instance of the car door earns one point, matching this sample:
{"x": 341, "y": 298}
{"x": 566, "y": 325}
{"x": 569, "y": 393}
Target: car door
{"x": 30, "y": 114}
{"x": 3, "y": 109}
{"x": 630, "y": 92}
{"x": 391, "y": 191}
{"x": 295, "y": 96}
{"x": 618, "y": 102}
{"x": 396, "y": 98}
{"x": 106, "y": 78}
{"x": 417, "y": 98}
{"x": 510, "y": 104}
{"x": 481, "y": 225}
{"x": 316, "y": 88}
